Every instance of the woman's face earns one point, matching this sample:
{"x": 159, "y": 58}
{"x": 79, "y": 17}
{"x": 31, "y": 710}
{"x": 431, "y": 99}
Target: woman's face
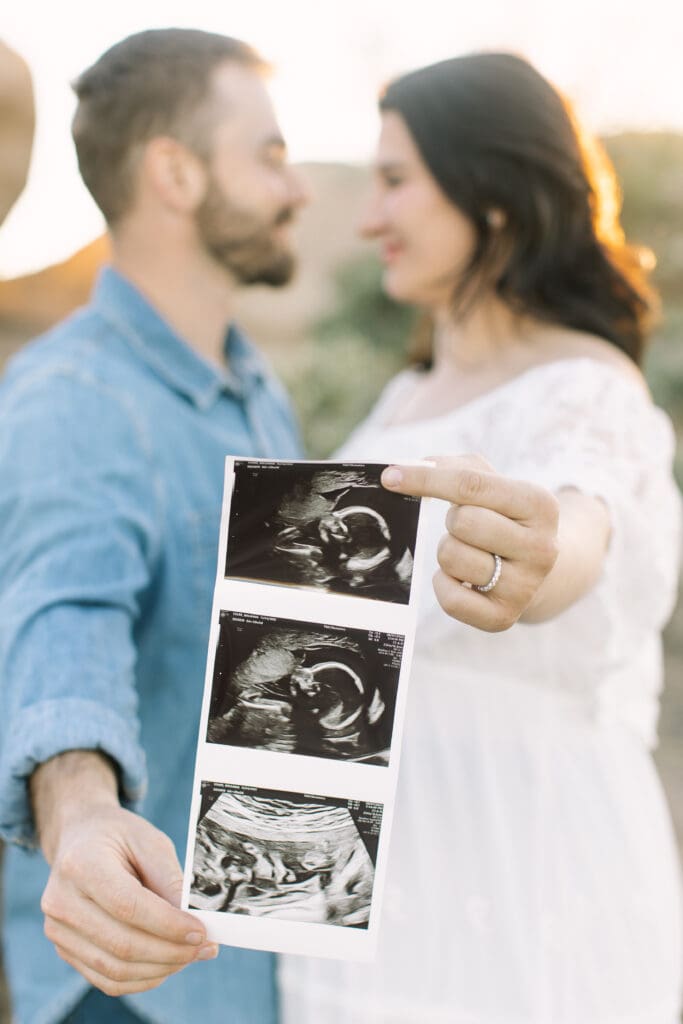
{"x": 426, "y": 242}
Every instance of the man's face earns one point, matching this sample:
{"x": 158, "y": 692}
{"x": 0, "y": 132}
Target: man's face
{"x": 252, "y": 194}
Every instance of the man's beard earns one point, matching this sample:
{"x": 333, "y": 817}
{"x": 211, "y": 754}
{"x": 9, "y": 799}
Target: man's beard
{"x": 241, "y": 243}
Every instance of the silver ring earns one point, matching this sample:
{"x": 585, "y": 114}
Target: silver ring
{"x": 497, "y": 570}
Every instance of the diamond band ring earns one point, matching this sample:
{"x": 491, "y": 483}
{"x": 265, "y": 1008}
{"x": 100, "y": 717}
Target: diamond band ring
{"x": 497, "y": 569}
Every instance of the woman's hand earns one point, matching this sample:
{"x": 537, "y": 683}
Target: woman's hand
{"x": 551, "y": 548}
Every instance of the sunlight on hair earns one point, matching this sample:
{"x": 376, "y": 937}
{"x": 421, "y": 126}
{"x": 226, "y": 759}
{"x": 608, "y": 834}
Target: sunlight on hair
{"x": 607, "y": 198}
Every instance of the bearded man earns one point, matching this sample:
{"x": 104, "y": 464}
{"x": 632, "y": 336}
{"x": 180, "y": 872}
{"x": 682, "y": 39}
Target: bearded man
{"x": 114, "y": 429}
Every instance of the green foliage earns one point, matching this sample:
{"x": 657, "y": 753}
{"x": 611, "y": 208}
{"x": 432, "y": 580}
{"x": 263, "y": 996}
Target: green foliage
{"x": 335, "y": 385}
{"x": 650, "y": 170}
{"x": 664, "y": 364}
{"x": 354, "y": 350}
{"x": 664, "y": 371}
{"x": 363, "y": 309}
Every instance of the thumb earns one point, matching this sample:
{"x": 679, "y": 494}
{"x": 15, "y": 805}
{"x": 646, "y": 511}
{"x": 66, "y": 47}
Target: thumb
{"x": 157, "y": 864}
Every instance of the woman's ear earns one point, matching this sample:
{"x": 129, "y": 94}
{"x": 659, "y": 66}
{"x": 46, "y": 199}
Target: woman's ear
{"x": 496, "y": 218}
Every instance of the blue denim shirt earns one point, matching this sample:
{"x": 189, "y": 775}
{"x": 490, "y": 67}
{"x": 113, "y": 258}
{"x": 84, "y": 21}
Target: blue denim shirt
{"x": 113, "y": 434}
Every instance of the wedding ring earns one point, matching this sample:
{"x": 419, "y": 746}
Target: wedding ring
{"x": 497, "y": 570}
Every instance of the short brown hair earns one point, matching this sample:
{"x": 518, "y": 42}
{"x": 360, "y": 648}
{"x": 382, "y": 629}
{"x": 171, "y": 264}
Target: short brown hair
{"x": 151, "y": 83}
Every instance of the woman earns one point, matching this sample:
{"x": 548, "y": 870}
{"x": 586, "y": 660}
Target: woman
{"x": 532, "y": 873}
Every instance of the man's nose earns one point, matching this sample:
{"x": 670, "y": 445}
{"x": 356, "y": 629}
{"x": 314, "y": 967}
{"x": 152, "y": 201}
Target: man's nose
{"x": 300, "y": 188}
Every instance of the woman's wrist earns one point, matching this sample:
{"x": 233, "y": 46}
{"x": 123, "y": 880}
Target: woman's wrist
{"x": 583, "y": 540}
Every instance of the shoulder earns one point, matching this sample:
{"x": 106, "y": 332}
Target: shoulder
{"x": 585, "y": 423}
{"x": 69, "y": 346}
{"x": 583, "y": 380}
{"x": 577, "y": 354}
{"x": 63, "y": 391}
{"x": 586, "y": 396}
{"x": 78, "y": 359}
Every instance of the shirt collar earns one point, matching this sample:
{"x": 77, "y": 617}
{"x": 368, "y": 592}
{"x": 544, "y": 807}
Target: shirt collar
{"x": 167, "y": 354}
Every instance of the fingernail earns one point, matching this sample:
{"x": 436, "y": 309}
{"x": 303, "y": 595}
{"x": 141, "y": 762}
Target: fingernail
{"x": 208, "y": 952}
{"x": 392, "y": 477}
{"x": 195, "y": 938}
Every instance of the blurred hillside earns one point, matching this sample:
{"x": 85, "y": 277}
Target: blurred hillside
{"x": 650, "y": 168}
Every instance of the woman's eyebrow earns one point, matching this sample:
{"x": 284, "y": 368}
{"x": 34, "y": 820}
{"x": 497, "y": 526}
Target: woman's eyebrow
{"x": 390, "y": 166}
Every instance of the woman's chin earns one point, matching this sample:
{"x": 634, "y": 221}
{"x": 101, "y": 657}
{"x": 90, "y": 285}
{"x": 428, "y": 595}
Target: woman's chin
{"x": 398, "y": 288}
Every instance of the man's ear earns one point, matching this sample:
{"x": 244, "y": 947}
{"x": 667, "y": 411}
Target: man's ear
{"x": 175, "y": 173}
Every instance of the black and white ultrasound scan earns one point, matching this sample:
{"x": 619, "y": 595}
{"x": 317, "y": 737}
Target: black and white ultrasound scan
{"x": 331, "y": 527}
{"x": 308, "y": 661}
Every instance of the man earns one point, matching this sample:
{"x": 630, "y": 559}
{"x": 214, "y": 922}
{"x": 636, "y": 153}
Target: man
{"x": 113, "y": 433}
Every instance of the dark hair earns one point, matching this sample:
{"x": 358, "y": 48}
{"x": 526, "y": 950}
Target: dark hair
{"x": 496, "y": 136}
{"x": 151, "y": 83}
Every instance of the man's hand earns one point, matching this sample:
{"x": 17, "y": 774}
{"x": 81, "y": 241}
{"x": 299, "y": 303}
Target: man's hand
{"x": 518, "y": 521}
{"x": 110, "y": 902}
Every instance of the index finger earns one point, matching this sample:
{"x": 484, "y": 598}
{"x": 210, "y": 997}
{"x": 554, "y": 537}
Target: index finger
{"x": 126, "y": 899}
{"x": 460, "y": 484}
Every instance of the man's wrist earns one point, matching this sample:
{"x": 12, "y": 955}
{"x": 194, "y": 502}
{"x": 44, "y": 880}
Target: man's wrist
{"x": 68, "y": 788}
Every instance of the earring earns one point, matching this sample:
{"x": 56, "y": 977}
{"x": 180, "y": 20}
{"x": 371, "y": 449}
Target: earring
{"x": 495, "y": 218}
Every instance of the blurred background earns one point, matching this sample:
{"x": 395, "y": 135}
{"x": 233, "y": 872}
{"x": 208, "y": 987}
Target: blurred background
{"x": 333, "y": 336}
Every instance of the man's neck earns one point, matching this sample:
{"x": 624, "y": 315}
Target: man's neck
{"x": 192, "y": 294}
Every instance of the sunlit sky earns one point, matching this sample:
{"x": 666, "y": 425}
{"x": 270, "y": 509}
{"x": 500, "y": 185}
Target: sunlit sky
{"x": 619, "y": 60}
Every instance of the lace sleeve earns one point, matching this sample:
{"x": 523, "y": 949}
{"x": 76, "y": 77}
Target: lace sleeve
{"x": 593, "y": 429}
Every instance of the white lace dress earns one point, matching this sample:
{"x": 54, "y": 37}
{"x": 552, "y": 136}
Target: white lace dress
{"x": 533, "y": 875}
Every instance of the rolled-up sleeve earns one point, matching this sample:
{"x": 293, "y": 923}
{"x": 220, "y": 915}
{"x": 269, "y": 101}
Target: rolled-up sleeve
{"x": 80, "y": 524}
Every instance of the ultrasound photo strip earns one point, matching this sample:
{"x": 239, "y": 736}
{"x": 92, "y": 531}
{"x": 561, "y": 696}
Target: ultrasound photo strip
{"x": 311, "y": 636}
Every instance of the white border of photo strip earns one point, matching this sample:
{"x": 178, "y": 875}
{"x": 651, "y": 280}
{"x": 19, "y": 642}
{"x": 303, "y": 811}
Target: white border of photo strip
{"x": 297, "y": 773}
